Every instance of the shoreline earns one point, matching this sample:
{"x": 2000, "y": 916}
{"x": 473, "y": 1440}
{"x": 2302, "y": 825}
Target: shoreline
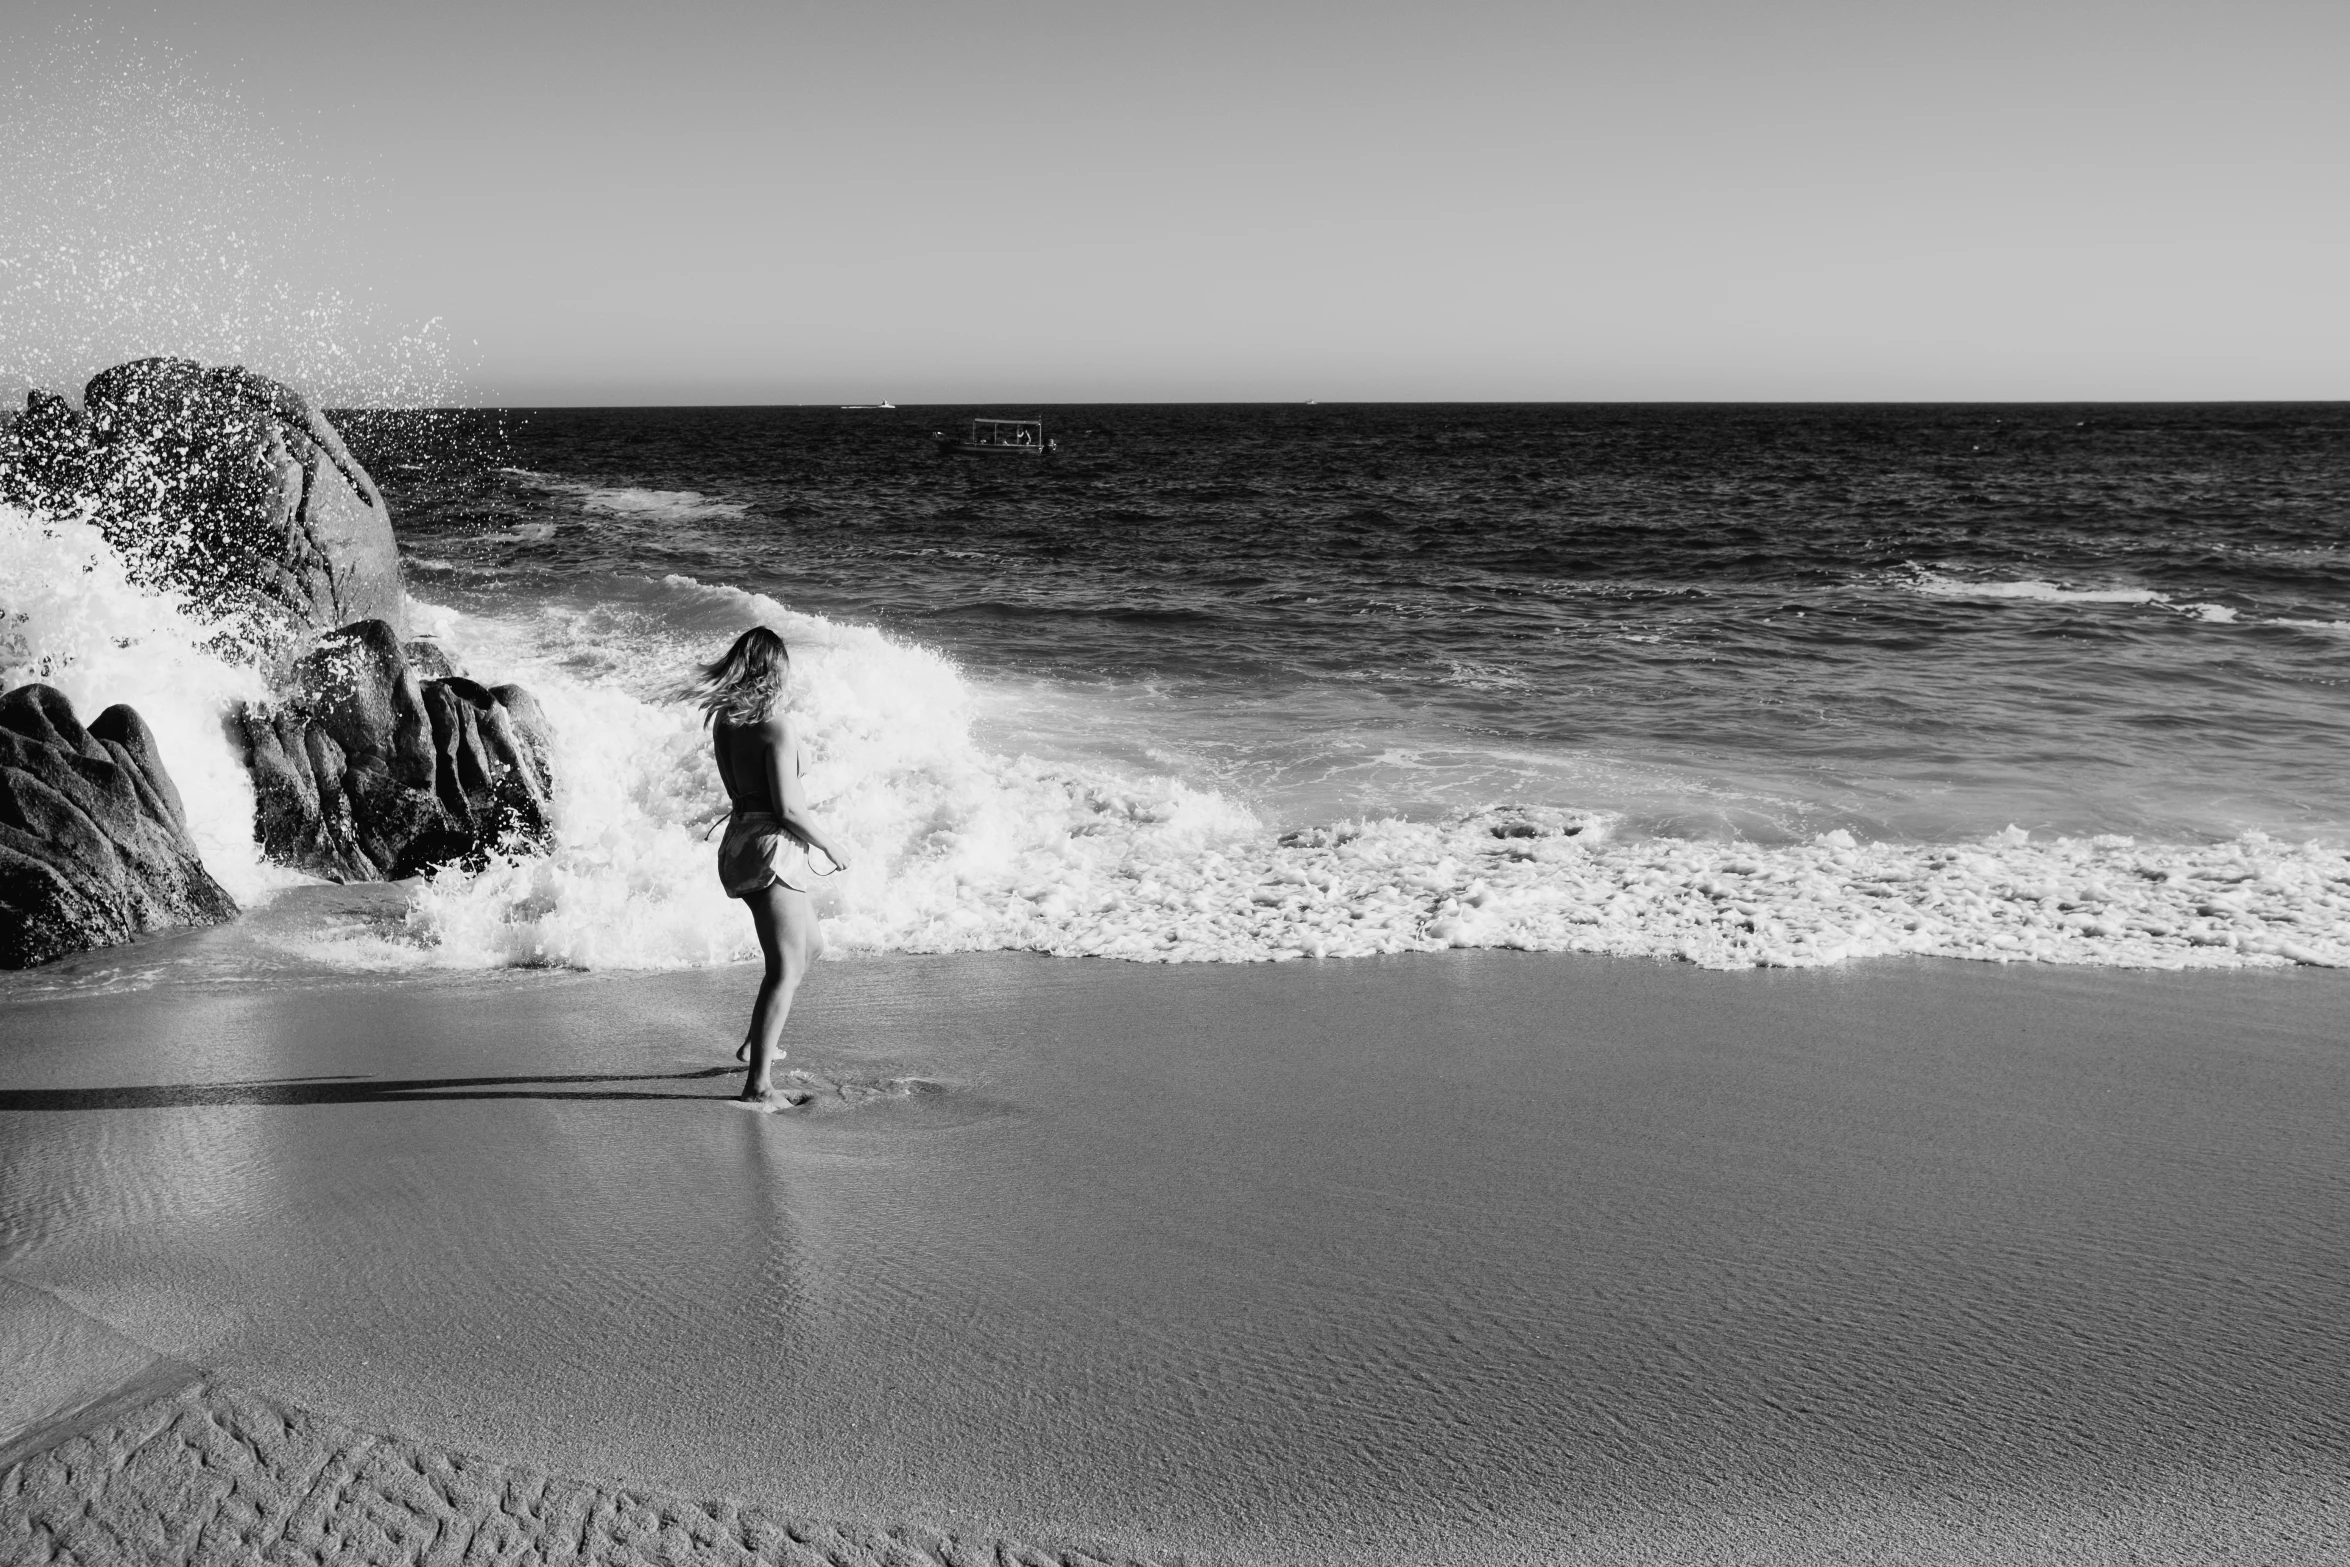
{"x": 1468, "y": 1252}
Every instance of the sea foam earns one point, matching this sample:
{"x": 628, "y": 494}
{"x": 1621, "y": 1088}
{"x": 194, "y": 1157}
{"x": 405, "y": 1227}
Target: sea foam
{"x": 957, "y": 846}
{"x": 633, "y": 501}
{"x": 960, "y": 848}
{"x": 893, "y": 769}
{"x": 1937, "y": 585}
{"x": 2031, "y": 589}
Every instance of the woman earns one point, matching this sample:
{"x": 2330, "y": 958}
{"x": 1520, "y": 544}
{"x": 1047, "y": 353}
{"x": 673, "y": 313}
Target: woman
{"x": 763, "y": 859}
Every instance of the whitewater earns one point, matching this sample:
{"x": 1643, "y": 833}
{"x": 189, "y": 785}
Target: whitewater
{"x": 967, "y": 849}
{"x": 965, "y": 845}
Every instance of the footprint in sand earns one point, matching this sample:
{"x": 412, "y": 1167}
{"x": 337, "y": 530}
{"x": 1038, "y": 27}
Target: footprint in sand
{"x": 801, "y": 1089}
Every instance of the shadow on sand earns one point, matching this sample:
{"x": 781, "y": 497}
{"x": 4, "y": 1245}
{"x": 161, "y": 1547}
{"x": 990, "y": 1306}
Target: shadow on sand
{"x": 351, "y": 1091}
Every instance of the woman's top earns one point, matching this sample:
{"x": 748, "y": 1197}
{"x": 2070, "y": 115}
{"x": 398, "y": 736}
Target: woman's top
{"x": 758, "y": 851}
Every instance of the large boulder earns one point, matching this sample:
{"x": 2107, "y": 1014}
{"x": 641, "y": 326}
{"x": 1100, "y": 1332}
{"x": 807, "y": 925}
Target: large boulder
{"x": 233, "y": 488}
{"x": 362, "y": 771}
{"x": 375, "y": 758}
{"x": 94, "y": 845}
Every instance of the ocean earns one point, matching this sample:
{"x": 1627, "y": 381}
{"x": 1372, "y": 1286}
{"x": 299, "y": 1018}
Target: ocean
{"x": 1736, "y": 686}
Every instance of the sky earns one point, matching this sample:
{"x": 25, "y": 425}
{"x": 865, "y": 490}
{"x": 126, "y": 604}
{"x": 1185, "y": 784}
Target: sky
{"x": 1037, "y": 201}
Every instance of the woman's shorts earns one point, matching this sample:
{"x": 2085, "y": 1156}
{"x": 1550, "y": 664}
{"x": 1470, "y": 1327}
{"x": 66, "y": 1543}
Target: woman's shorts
{"x": 756, "y": 852}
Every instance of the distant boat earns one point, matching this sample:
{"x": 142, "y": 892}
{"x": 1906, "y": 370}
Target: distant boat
{"x": 998, "y": 438}
{"x": 884, "y": 403}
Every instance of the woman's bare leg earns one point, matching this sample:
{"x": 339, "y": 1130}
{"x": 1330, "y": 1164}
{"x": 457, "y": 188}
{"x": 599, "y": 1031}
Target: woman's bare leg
{"x": 786, "y": 922}
{"x": 815, "y": 950}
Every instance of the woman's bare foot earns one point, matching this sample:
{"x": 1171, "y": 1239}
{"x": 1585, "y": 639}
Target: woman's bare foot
{"x": 772, "y": 1100}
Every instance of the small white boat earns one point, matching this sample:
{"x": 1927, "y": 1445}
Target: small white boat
{"x": 884, "y": 403}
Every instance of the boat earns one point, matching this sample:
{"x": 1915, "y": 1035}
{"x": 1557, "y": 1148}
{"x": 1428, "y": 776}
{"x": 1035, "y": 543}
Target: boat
{"x": 998, "y": 438}
{"x": 884, "y": 403}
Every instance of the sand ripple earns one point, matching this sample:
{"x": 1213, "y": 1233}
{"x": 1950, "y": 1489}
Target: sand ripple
{"x": 217, "y": 1474}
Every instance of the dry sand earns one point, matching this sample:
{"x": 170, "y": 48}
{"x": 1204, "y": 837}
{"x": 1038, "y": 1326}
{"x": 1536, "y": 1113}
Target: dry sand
{"x": 1478, "y": 1257}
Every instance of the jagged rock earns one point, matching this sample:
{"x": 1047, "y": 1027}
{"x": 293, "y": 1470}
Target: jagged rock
{"x": 228, "y": 485}
{"x": 363, "y": 772}
{"x": 374, "y": 760}
{"x": 94, "y": 845}
{"x": 429, "y": 659}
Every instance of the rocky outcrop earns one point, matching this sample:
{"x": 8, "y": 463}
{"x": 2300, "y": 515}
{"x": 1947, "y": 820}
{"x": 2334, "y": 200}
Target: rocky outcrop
{"x": 363, "y": 771}
{"x": 94, "y": 845}
{"x": 233, "y": 488}
{"x": 376, "y": 758}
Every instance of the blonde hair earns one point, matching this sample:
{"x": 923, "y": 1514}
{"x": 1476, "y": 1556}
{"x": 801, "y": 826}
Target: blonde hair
{"x": 743, "y": 685}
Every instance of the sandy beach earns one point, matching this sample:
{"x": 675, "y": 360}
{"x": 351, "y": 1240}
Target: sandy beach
{"x": 1559, "y": 786}
{"x": 1496, "y": 1257}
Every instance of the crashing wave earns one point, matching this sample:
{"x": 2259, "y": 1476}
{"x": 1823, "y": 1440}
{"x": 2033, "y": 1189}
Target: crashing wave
{"x": 964, "y": 848}
{"x": 75, "y": 615}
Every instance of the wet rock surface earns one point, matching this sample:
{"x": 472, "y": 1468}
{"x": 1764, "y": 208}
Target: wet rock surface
{"x": 376, "y": 758}
{"x": 94, "y": 845}
{"x": 367, "y": 768}
{"x": 231, "y": 487}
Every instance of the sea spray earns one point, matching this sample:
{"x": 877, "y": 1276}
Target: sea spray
{"x": 144, "y": 210}
{"x": 73, "y": 615}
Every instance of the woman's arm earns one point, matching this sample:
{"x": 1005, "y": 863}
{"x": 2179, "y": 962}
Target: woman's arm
{"x": 788, "y": 792}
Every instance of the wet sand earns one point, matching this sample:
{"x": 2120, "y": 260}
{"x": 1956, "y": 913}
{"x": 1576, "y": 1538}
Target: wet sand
{"x": 1480, "y": 1256}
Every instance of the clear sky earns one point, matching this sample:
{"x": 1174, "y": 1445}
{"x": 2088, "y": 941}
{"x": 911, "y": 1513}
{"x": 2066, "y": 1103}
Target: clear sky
{"x": 1011, "y": 200}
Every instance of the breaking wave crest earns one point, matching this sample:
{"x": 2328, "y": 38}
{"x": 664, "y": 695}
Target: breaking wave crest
{"x": 960, "y": 848}
{"x": 893, "y": 768}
